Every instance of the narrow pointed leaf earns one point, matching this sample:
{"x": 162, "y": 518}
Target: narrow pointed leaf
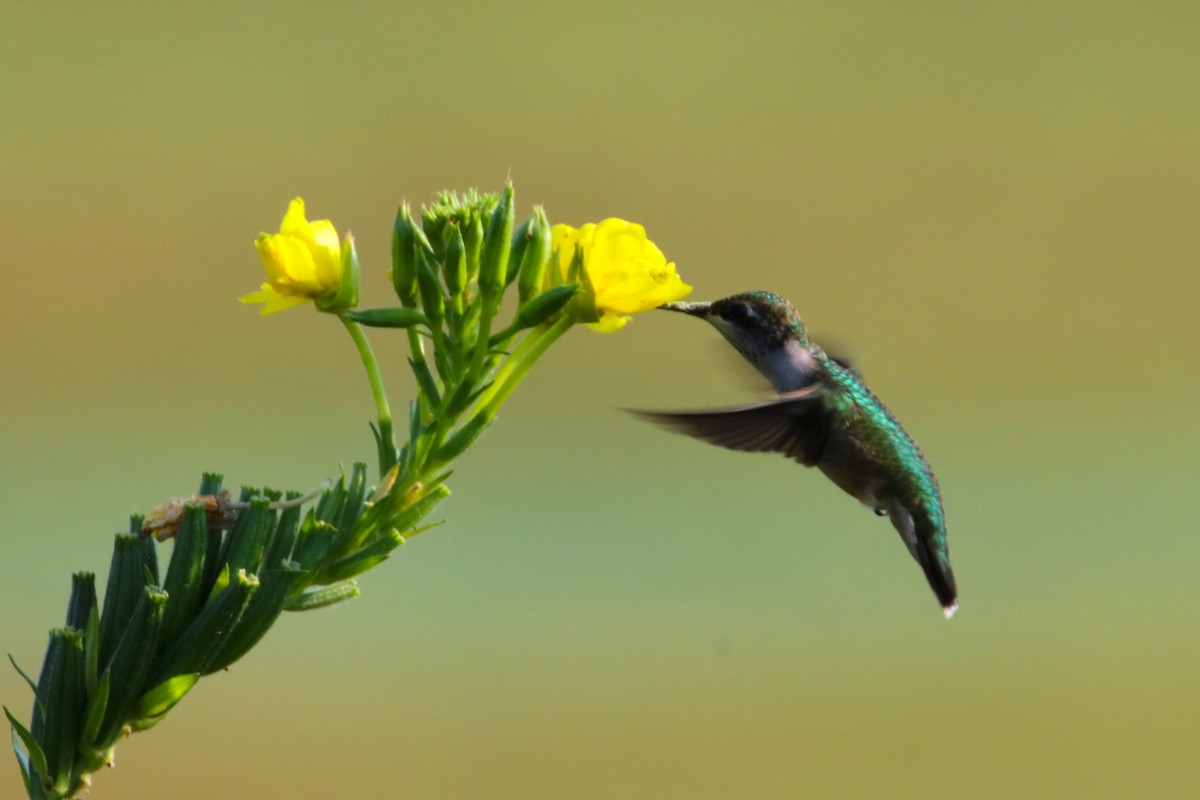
{"x": 139, "y": 725}
{"x": 96, "y": 707}
{"x": 91, "y": 649}
{"x": 363, "y": 560}
{"x": 401, "y": 317}
{"x": 163, "y": 697}
{"x": 22, "y": 762}
{"x": 36, "y": 698}
{"x": 285, "y": 536}
{"x": 37, "y": 757}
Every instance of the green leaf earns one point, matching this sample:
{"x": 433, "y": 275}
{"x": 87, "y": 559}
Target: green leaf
{"x": 545, "y": 305}
{"x": 32, "y": 685}
{"x": 22, "y": 760}
{"x": 461, "y": 439}
{"x": 139, "y": 725}
{"x": 387, "y": 317}
{"x": 352, "y": 508}
{"x": 426, "y": 381}
{"x": 37, "y": 756}
{"x": 148, "y": 548}
{"x": 220, "y": 584}
{"x": 91, "y": 649}
{"x": 96, "y": 707}
{"x": 284, "y": 537}
{"x": 163, "y": 697}
{"x": 332, "y": 499}
{"x": 363, "y": 560}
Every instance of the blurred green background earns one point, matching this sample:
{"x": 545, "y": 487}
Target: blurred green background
{"x": 995, "y": 209}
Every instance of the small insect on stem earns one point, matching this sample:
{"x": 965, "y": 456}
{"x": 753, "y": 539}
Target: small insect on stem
{"x": 163, "y": 522}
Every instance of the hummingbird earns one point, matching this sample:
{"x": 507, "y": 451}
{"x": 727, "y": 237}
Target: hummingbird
{"x": 823, "y": 416}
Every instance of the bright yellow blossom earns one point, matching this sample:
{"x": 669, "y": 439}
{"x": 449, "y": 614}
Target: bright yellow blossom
{"x": 627, "y": 271}
{"x": 304, "y": 262}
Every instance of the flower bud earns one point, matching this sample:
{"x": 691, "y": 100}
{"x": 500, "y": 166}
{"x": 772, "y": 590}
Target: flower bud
{"x": 535, "y": 254}
{"x": 405, "y": 236}
{"x": 264, "y": 608}
{"x": 83, "y": 599}
{"x": 200, "y": 642}
{"x": 185, "y": 571}
{"x": 130, "y": 663}
{"x": 432, "y": 299}
{"x": 455, "y": 272}
{"x": 473, "y": 241}
{"x": 126, "y": 579}
{"x": 493, "y": 266}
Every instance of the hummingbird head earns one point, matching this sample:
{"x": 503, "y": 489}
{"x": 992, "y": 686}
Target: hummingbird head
{"x": 754, "y": 322}
{"x": 766, "y": 330}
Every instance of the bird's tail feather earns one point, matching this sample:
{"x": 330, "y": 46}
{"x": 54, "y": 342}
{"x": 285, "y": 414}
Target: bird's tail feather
{"x": 936, "y": 564}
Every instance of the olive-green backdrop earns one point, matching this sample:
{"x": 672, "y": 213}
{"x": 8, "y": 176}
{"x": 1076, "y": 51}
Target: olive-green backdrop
{"x": 993, "y": 207}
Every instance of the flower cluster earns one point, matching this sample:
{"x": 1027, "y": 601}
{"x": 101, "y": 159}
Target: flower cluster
{"x": 623, "y": 272}
{"x": 236, "y": 565}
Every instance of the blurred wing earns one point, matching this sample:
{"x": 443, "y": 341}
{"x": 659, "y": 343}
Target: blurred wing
{"x": 795, "y": 424}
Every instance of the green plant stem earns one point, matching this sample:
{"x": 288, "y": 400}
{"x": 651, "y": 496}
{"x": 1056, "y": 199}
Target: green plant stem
{"x": 383, "y": 413}
{"x": 481, "y": 340}
{"x": 522, "y": 360}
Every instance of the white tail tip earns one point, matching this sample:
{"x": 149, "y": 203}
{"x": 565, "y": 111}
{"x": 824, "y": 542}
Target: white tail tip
{"x": 949, "y": 610}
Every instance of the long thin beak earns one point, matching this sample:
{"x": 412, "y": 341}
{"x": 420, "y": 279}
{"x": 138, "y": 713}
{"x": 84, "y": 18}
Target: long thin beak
{"x": 695, "y": 309}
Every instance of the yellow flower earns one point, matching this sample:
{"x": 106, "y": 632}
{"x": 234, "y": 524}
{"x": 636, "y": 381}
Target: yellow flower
{"x": 304, "y": 262}
{"x": 627, "y": 271}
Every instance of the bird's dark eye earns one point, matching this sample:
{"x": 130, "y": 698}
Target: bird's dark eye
{"x": 738, "y": 311}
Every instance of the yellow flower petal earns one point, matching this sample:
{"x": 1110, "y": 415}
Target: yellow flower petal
{"x": 272, "y": 300}
{"x": 628, "y": 273}
{"x": 303, "y": 261}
